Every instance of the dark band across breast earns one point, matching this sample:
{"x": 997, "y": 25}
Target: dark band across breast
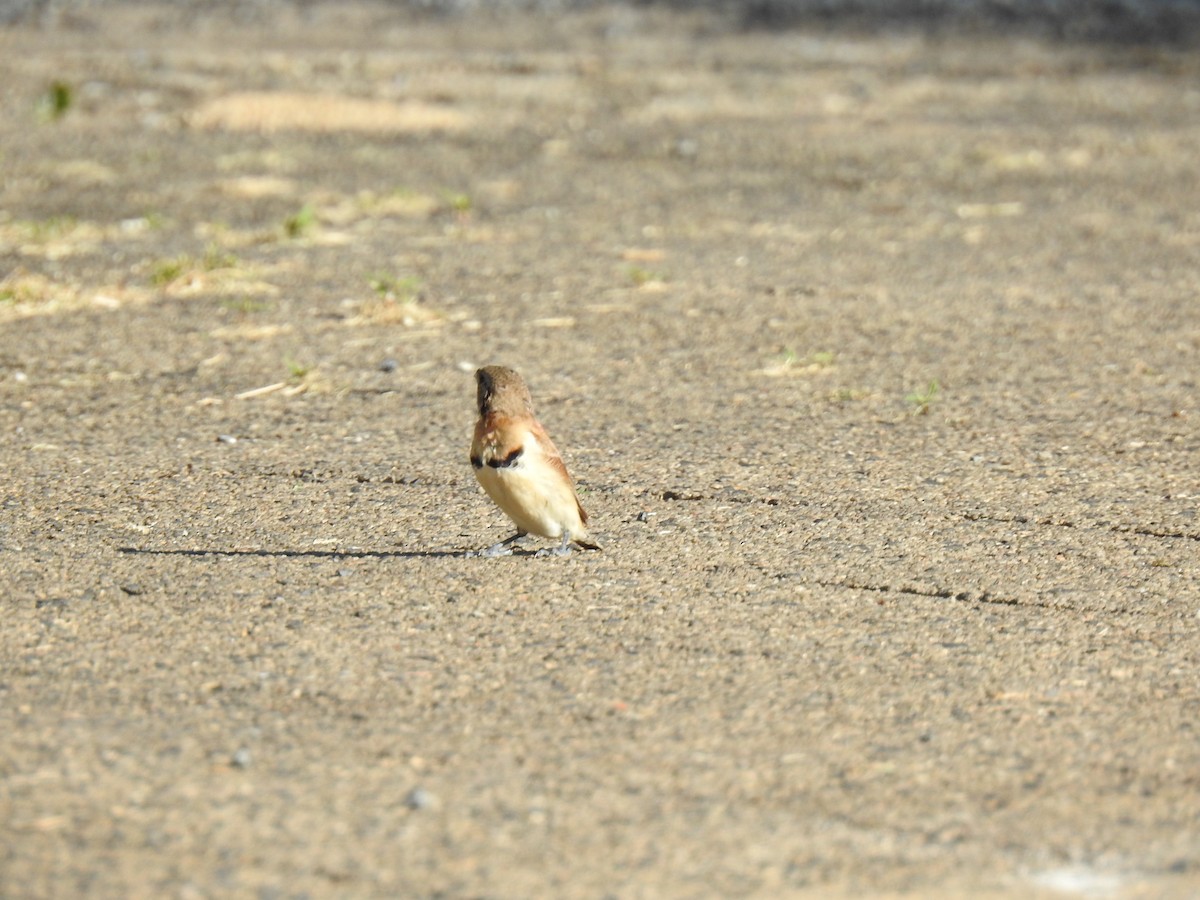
{"x": 510, "y": 460}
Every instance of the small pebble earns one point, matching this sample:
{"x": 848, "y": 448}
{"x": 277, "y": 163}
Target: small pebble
{"x": 389, "y": 365}
{"x": 419, "y": 798}
{"x": 131, "y": 588}
{"x": 226, "y": 439}
{"x": 240, "y": 758}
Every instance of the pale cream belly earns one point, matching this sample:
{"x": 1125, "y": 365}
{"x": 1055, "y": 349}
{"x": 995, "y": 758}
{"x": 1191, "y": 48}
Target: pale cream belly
{"x": 537, "y": 503}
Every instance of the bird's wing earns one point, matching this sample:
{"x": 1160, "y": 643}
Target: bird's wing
{"x": 554, "y": 460}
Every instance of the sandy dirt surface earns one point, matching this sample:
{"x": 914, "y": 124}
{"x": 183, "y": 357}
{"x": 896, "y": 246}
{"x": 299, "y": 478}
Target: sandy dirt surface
{"x": 875, "y": 358}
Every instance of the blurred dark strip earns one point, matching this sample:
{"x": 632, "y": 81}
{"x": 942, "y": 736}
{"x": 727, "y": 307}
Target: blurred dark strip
{"x": 1169, "y": 22}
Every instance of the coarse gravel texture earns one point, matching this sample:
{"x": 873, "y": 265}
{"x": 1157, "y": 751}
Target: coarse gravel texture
{"x": 875, "y": 358}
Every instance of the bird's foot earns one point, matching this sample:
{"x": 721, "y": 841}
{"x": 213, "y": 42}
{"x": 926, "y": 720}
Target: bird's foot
{"x": 500, "y": 549}
{"x": 563, "y": 549}
{"x": 503, "y": 548}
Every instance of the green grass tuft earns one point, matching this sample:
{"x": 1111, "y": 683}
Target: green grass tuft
{"x": 301, "y": 222}
{"x": 921, "y": 400}
{"x": 58, "y": 98}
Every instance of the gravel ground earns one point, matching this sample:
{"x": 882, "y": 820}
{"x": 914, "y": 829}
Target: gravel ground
{"x": 875, "y": 358}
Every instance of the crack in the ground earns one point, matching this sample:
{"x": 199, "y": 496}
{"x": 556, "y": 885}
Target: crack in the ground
{"x": 690, "y": 496}
{"x": 1115, "y": 528}
{"x": 959, "y": 596}
{"x": 1154, "y": 532}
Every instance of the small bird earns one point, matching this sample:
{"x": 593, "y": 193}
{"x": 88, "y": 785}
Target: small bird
{"x": 520, "y": 468}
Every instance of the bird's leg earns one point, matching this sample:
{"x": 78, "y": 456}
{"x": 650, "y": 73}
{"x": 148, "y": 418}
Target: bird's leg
{"x": 503, "y": 548}
{"x": 563, "y": 549}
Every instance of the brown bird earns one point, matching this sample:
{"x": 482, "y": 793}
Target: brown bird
{"x": 520, "y": 468}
